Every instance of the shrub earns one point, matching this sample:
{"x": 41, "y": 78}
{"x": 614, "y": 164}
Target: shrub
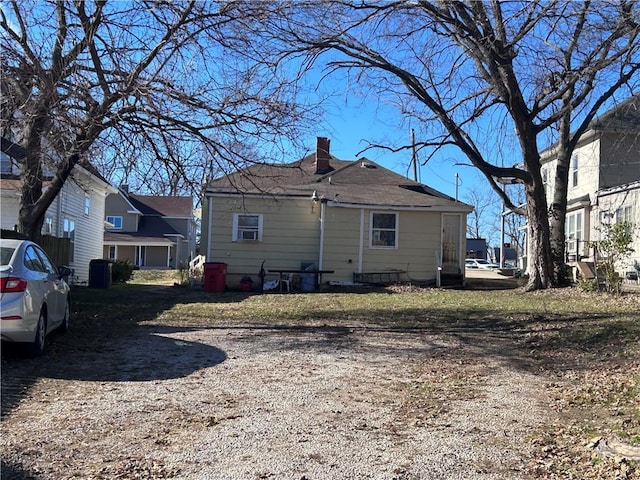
{"x": 121, "y": 271}
{"x": 588, "y": 284}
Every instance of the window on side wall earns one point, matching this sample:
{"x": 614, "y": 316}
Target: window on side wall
{"x": 247, "y": 227}
{"x": 87, "y": 204}
{"x": 116, "y": 222}
{"x": 69, "y": 231}
{"x": 623, "y": 214}
{"x": 47, "y": 227}
{"x": 574, "y": 171}
{"x": 384, "y": 230}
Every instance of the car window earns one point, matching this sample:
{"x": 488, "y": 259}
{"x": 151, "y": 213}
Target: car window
{"x": 32, "y": 260}
{"x": 5, "y": 255}
{"x": 46, "y": 262}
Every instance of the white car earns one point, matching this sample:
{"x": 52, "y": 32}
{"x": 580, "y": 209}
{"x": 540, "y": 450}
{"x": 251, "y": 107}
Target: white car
{"x": 34, "y": 298}
{"x": 480, "y": 263}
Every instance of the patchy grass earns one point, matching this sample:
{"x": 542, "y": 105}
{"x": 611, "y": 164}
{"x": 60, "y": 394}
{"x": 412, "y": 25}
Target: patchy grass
{"x": 586, "y": 345}
{"x": 155, "y": 277}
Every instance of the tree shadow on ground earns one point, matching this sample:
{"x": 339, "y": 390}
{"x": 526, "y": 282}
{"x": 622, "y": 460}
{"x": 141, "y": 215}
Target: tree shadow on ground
{"x": 106, "y": 343}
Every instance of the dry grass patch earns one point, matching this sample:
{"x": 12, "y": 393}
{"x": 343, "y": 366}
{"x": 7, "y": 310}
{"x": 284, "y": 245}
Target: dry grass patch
{"x": 585, "y": 346}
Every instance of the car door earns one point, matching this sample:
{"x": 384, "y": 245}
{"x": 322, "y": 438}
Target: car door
{"x": 56, "y": 290}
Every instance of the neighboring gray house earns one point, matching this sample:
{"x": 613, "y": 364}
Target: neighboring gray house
{"x": 150, "y": 231}
{"x": 77, "y": 212}
{"x": 604, "y": 181}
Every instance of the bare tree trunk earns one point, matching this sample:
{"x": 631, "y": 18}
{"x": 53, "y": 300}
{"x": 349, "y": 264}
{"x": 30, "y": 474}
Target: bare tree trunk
{"x": 557, "y": 215}
{"x": 539, "y": 259}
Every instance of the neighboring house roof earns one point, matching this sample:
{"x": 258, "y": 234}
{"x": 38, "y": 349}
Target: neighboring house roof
{"x": 12, "y": 181}
{"x": 351, "y": 183}
{"x": 152, "y": 228}
{"x": 163, "y": 206}
{"x": 625, "y": 116}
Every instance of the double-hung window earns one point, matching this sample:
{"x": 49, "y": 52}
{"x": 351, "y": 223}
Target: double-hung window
{"x": 384, "y": 230}
{"x": 573, "y": 231}
{"x": 574, "y": 171}
{"x": 247, "y": 227}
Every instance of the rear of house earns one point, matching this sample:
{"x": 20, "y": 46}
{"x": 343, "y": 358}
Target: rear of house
{"x": 355, "y": 219}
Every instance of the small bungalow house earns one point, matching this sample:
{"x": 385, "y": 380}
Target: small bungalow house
{"x": 77, "y": 213}
{"x": 356, "y": 219}
{"x": 150, "y": 231}
{"x": 604, "y": 182}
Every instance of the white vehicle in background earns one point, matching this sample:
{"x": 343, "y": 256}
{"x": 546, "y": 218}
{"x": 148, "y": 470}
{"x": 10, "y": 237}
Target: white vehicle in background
{"x": 34, "y": 298}
{"x": 480, "y": 263}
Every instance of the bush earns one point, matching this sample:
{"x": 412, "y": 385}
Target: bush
{"x": 121, "y": 271}
{"x": 588, "y": 284}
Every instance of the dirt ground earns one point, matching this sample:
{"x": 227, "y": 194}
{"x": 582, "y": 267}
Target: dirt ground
{"x": 240, "y": 401}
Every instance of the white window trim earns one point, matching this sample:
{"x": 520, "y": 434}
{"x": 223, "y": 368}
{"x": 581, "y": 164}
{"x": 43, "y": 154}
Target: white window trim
{"x": 87, "y": 204}
{"x": 395, "y": 241}
{"x": 573, "y": 244}
{"x": 47, "y": 226}
{"x": 234, "y": 231}
{"x": 71, "y": 235}
{"x": 575, "y": 165}
{"x": 114, "y": 226}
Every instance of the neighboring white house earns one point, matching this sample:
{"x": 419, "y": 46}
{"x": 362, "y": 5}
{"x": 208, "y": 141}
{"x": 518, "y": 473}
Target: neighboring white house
{"x": 77, "y": 212}
{"x": 604, "y": 181}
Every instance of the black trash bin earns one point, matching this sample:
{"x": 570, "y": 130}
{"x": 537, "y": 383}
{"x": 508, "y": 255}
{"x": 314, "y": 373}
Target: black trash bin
{"x": 99, "y": 273}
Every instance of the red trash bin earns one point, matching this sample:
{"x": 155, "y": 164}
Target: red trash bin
{"x": 215, "y": 277}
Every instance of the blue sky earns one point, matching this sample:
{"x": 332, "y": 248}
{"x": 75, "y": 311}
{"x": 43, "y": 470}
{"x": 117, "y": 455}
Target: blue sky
{"x": 351, "y": 127}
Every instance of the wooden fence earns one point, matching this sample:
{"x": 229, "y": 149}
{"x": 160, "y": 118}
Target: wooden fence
{"x": 57, "y": 248}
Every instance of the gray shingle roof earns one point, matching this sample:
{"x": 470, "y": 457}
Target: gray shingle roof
{"x": 360, "y": 182}
{"x": 162, "y": 206}
{"x": 624, "y": 116}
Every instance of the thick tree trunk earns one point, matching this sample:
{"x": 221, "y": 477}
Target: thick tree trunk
{"x": 30, "y": 220}
{"x": 539, "y": 259}
{"x": 557, "y": 216}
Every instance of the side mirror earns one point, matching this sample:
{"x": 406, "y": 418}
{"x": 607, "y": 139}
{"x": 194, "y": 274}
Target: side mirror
{"x": 64, "y": 271}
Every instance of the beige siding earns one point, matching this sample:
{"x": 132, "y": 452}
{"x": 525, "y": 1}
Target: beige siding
{"x": 418, "y": 240}
{"x": 291, "y": 235}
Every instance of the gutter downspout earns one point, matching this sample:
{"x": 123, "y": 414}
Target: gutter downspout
{"x": 321, "y": 252}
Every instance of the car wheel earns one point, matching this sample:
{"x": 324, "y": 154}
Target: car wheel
{"x": 64, "y": 326}
{"x": 37, "y": 347}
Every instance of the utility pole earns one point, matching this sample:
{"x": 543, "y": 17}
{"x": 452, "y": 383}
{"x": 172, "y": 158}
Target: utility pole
{"x": 414, "y": 158}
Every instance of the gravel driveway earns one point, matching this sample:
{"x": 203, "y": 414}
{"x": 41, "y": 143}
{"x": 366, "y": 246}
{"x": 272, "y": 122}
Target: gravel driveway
{"x": 246, "y": 402}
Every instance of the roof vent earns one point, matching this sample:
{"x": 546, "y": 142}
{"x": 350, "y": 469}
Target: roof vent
{"x": 367, "y": 165}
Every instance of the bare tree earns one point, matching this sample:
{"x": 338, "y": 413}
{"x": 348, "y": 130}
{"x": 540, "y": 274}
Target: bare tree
{"x": 472, "y": 71}
{"x": 161, "y": 90}
{"x": 486, "y": 208}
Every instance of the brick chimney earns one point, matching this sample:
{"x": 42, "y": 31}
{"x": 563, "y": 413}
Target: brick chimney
{"x": 322, "y": 155}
